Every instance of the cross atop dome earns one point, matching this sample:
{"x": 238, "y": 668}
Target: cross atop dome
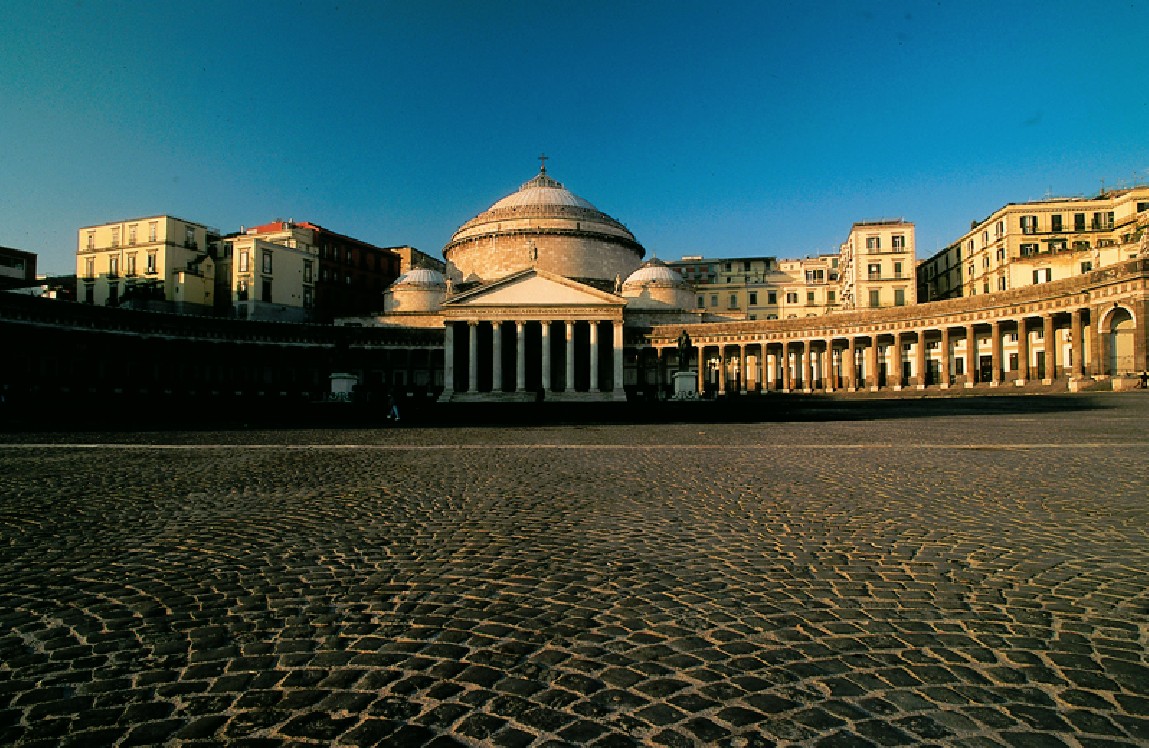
{"x": 543, "y": 163}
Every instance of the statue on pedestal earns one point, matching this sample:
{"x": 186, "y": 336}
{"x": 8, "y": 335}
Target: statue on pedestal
{"x": 684, "y": 347}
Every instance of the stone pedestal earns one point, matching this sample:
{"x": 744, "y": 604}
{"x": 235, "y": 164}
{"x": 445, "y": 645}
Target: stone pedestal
{"x": 685, "y": 385}
{"x": 342, "y": 385}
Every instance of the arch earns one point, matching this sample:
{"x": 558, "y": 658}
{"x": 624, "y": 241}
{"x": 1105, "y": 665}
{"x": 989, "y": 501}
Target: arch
{"x": 1117, "y": 328}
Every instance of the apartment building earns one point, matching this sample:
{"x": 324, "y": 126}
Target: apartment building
{"x": 156, "y": 261}
{"x": 349, "y": 275}
{"x": 876, "y": 265}
{"x": 1023, "y": 244}
{"x": 872, "y": 268}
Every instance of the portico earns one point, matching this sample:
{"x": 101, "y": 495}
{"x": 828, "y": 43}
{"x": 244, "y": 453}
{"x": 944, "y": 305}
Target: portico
{"x": 533, "y": 335}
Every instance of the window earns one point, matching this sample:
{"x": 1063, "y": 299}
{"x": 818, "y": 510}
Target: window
{"x": 985, "y": 262}
{"x": 771, "y": 316}
{"x": 809, "y": 298}
{"x": 132, "y": 234}
{"x": 771, "y": 297}
{"x": 1142, "y": 207}
{"x": 727, "y": 268}
{"x": 831, "y": 297}
{"x": 1029, "y": 224}
{"x": 307, "y": 271}
{"x": 1081, "y": 245}
{"x": 113, "y": 266}
{"x": 897, "y": 270}
{"x": 746, "y": 266}
{"x": 1001, "y": 254}
{"x": 114, "y": 294}
{"x": 874, "y": 271}
{"x": 1028, "y": 249}
{"x": 1087, "y": 266}
{"x": 1001, "y": 284}
{"x": 875, "y": 298}
{"x": 151, "y": 262}
{"x": 89, "y": 293}
{"x": 1041, "y": 275}
{"x": 985, "y": 287}
{"x": 970, "y": 269}
{"x": 1057, "y": 245}
{"x": 266, "y": 295}
{"x": 713, "y": 299}
{"x": 733, "y": 301}
{"x": 899, "y": 297}
{"x": 792, "y": 298}
{"x": 152, "y": 231}
{"x": 244, "y": 261}
{"x": 132, "y": 264}
{"x": 1079, "y": 222}
{"x": 815, "y": 276}
{"x": 753, "y": 298}
{"x": 873, "y": 242}
{"x": 1103, "y": 221}
{"x": 701, "y": 300}
{"x": 307, "y": 300}
{"x": 90, "y": 268}
{"x": 116, "y": 237}
{"x": 1055, "y": 223}
{"x": 189, "y": 236}
{"x": 899, "y": 241}
{"x": 91, "y": 240}
{"x": 267, "y": 261}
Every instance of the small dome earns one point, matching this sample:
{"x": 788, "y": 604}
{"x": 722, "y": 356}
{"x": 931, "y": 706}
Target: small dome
{"x": 655, "y": 273}
{"x": 421, "y": 278}
{"x": 542, "y": 190}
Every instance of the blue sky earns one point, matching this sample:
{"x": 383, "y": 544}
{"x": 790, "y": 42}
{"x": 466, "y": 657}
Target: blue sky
{"x": 723, "y": 129}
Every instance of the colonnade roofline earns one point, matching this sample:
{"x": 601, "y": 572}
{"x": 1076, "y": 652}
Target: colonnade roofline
{"x": 1056, "y": 297}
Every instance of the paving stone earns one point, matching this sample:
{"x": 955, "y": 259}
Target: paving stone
{"x": 735, "y": 587}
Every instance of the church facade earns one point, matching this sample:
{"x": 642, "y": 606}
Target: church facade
{"x": 545, "y": 297}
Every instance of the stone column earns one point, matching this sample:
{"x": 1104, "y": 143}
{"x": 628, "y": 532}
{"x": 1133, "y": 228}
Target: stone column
{"x": 807, "y": 355}
{"x": 830, "y": 370}
{"x": 1050, "y": 350}
{"x": 1098, "y": 364}
{"x": 496, "y": 357}
{"x": 473, "y": 350}
{"x": 896, "y": 361}
{"x": 546, "y": 346}
{"x": 570, "y": 387}
{"x": 784, "y": 359}
{"x": 520, "y": 357}
{"x": 769, "y": 361}
{"x": 742, "y": 367}
{"x": 851, "y": 365}
{"x": 701, "y": 369}
{"x": 995, "y": 352}
{"x": 618, "y": 385}
{"x": 1022, "y": 352}
{"x": 970, "y": 356}
{"x": 920, "y": 359}
{"x": 1077, "y": 344}
{"x": 944, "y": 364}
{"x": 449, "y": 359}
{"x": 593, "y": 355}
{"x": 722, "y": 369}
{"x": 871, "y": 372}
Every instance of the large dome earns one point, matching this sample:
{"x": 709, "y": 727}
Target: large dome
{"x": 542, "y": 225}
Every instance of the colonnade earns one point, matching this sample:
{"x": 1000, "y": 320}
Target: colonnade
{"x": 557, "y": 358}
{"x": 1020, "y": 349}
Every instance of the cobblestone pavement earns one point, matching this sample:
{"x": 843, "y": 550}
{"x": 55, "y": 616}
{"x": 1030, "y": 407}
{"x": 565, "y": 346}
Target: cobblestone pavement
{"x": 931, "y": 578}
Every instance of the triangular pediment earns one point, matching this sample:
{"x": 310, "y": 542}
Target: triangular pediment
{"x": 533, "y": 288}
